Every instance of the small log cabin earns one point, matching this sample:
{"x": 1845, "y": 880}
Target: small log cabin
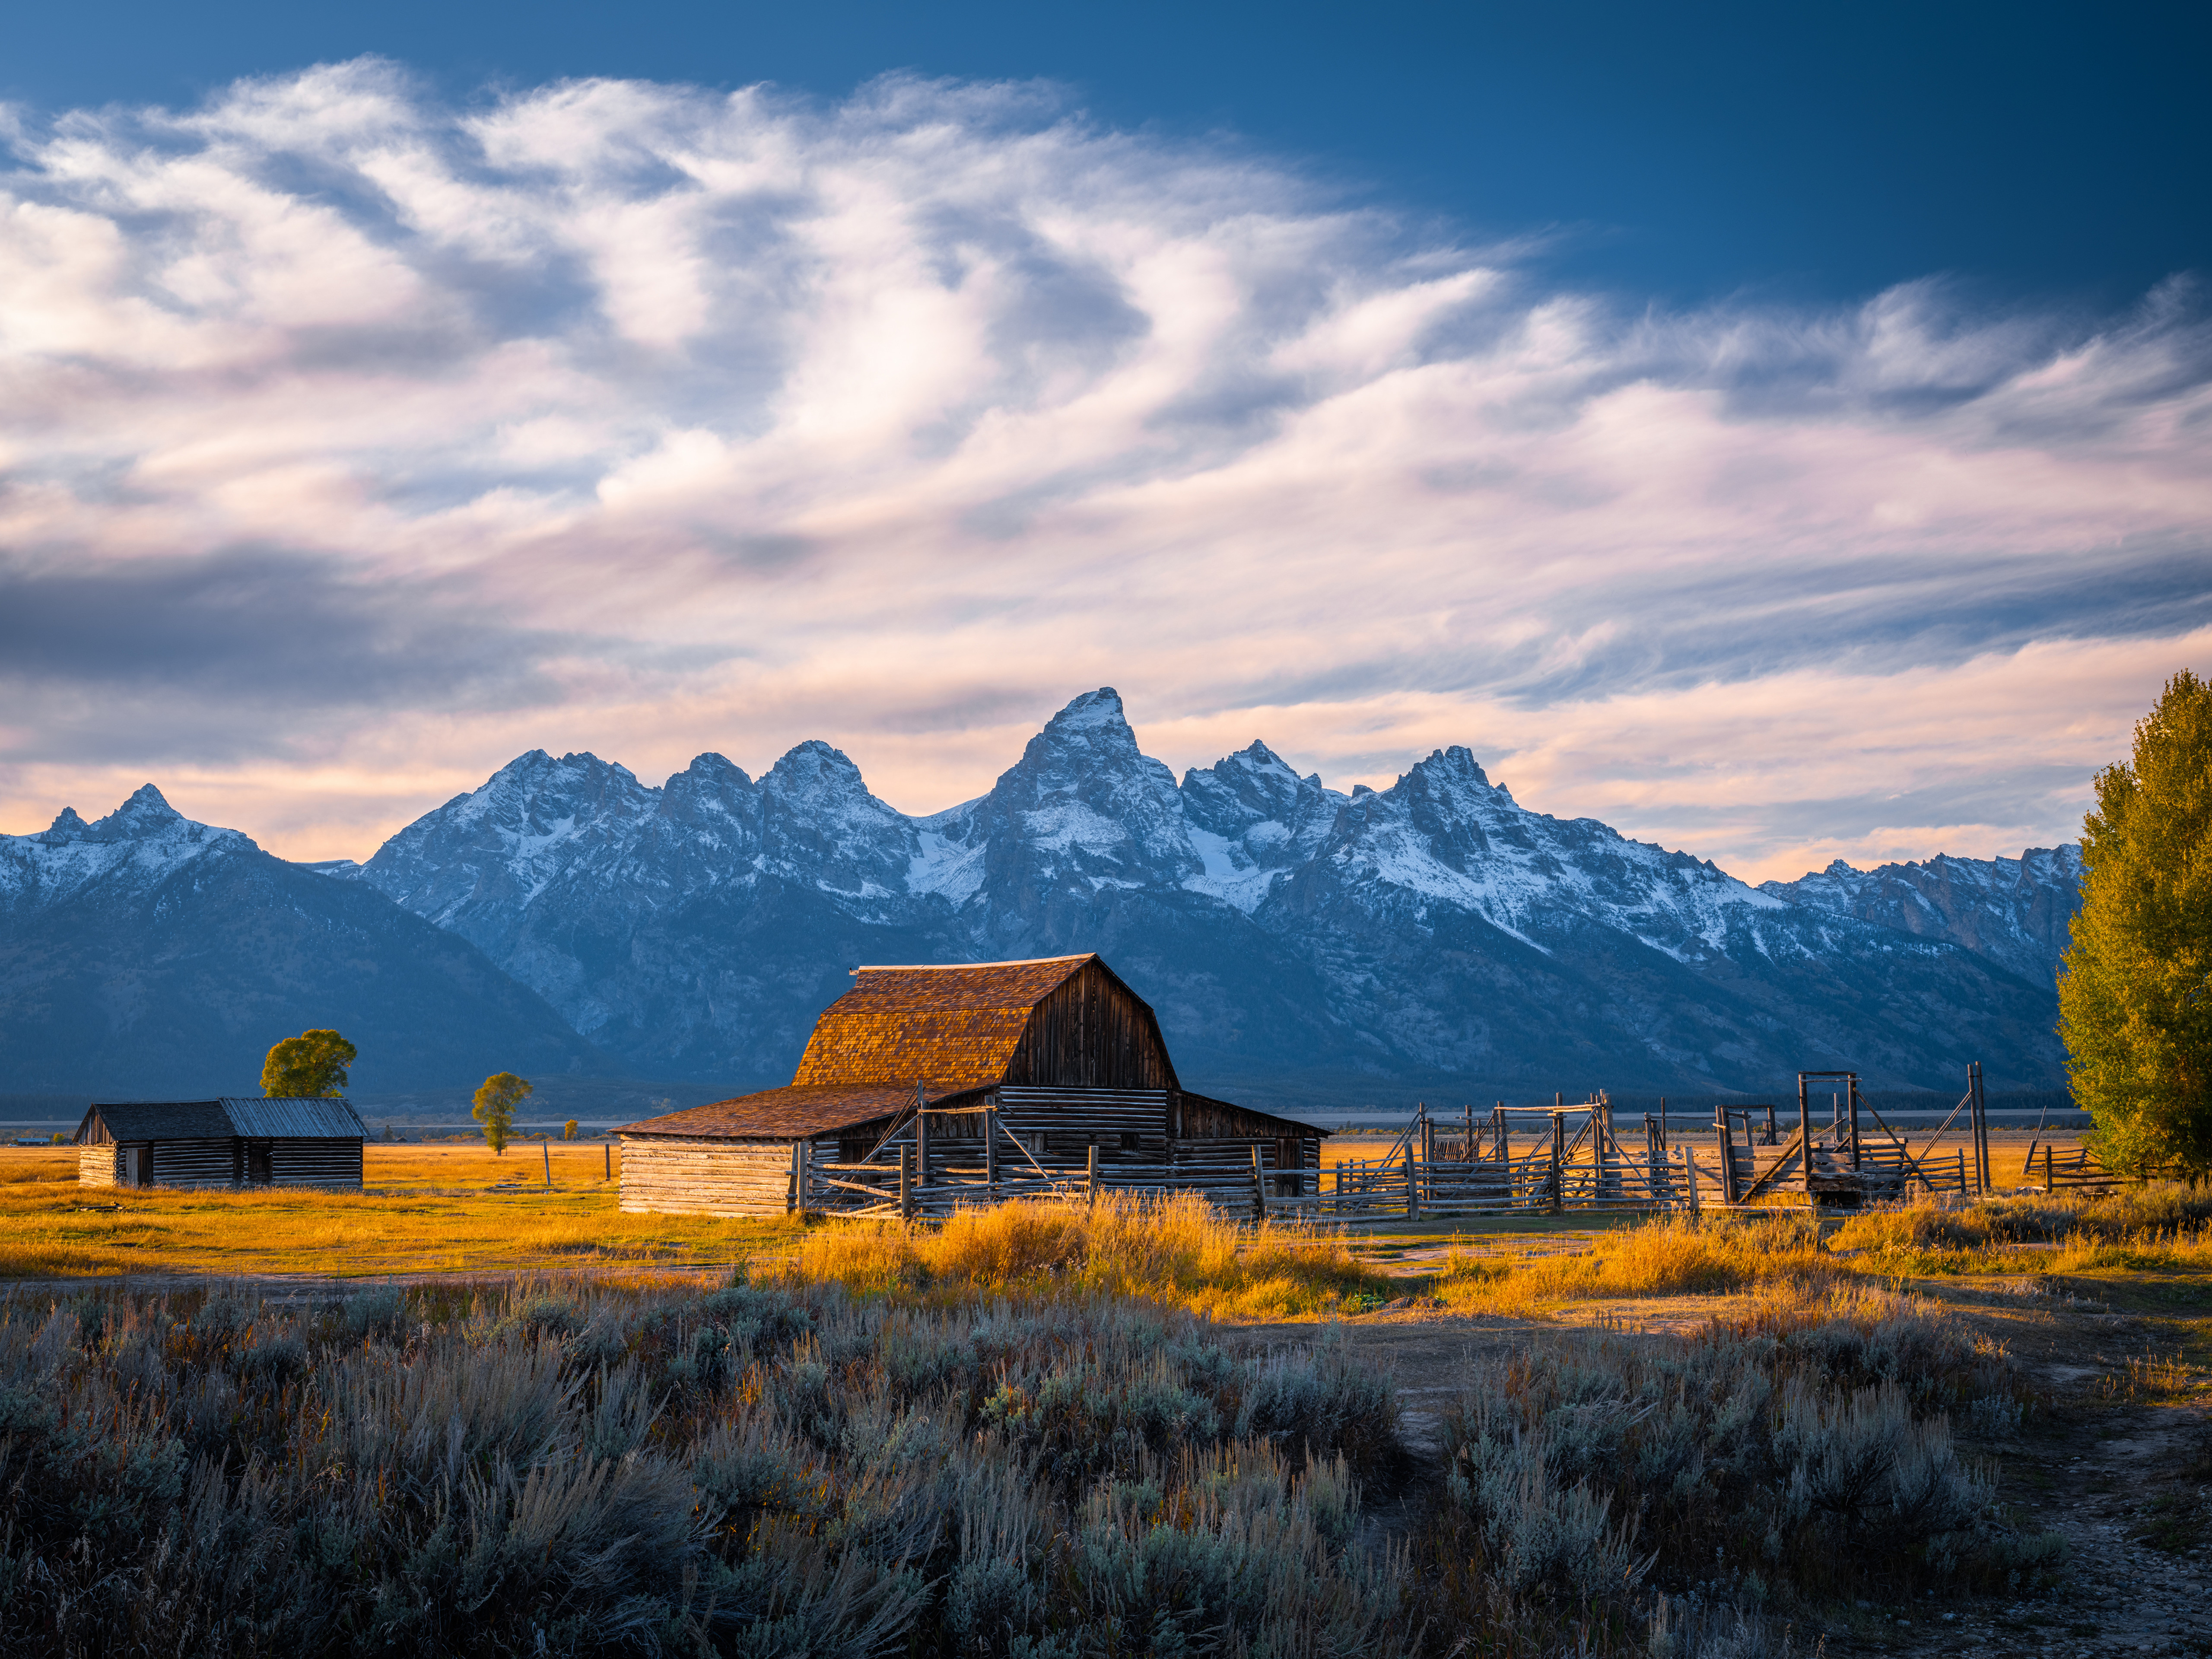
{"x": 230, "y": 1141}
{"x": 966, "y": 1083}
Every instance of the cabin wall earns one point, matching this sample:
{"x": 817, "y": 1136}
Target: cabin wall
{"x": 309, "y": 1164}
{"x": 1091, "y": 1033}
{"x": 668, "y": 1176}
{"x": 96, "y": 1164}
{"x": 206, "y": 1163}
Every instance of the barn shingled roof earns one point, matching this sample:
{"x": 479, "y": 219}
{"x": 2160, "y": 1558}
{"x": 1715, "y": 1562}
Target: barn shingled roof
{"x": 954, "y": 1027}
{"x": 783, "y": 1113}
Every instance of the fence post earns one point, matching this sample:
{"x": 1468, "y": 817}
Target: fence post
{"x": 906, "y": 1186}
{"x": 920, "y": 1139}
{"x": 609, "y": 1149}
{"x": 1805, "y": 1136}
{"x": 1851, "y": 1092}
{"x": 1259, "y": 1186}
{"x": 990, "y": 1149}
{"x": 1557, "y": 1180}
{"x": 1091, "y": 1175}
{"x": 1412, "y": 1186}
{"x": 799, "y": 1178}
{"x": 2049, "y": 1185}
{"x": 1727, "y": 1153}
{"x": 546, "y": 1148}
{"x": 1690, "y": 1168}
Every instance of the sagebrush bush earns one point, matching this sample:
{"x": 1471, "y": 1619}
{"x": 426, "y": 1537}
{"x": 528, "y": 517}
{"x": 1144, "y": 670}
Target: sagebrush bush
{"x": 765, "y": 1469}
{"x": 1800, "y": 1446}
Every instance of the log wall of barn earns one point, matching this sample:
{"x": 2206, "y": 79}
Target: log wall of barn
{"x": 1091, "y": 1033}
{"x": 95, "y": 1164}
{"x": 668, "y": 1176}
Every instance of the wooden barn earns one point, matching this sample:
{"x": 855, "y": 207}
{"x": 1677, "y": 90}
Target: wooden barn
{"x": 922, "y": 1088}
{"x": 232, "y": 1141}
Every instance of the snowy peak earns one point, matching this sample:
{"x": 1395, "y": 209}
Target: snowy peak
{"x": 1443, "y": 840}
{"x": 1084, "y": 808}
{"x": 140, "y": 842}
{"x": 819, "y": 823}
{"x": 1252, "y": 819}
{"x": 2016, "y": 912}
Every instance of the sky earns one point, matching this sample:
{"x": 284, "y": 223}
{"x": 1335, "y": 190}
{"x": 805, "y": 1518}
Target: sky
{"x": 1783, "y": 437}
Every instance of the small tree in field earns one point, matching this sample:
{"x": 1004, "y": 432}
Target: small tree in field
{"x": 312, "y": 1063}
{"x": 568, "y": 1130}
{"x": 502, "y": 1092}
{"x": 2136, "y": 1001}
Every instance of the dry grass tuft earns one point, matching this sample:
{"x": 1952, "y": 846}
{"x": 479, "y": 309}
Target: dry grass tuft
{"x": 1672, "y": 1256}
{"x": 1176, "y": 1252}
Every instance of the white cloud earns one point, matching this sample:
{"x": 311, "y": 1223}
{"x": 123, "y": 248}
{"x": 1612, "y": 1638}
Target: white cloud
{"x": 728, "y": 420}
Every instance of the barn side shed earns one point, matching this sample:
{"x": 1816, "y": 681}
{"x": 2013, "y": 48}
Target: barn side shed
{"x": 234, "y": 1140}
{"x": 1045, "y": 1070}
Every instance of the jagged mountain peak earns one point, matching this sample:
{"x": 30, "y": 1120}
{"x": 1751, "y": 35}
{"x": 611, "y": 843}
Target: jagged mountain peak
{"x": 713, "y": 770}
{"x": 67, "y": 826}
{"x": 148, "y": 812}
{"x": 1093, "y": 709}
{"x": 814, "y": 767}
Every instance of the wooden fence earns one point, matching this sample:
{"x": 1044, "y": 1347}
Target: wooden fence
{"x": 1550, "y": 1160}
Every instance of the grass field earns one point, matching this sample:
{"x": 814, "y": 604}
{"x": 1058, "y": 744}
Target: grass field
{"x": 422, "y": 1210}
{"x": 429, "y": 1211}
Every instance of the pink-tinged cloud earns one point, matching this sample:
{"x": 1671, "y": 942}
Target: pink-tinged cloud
{"x": 353, "y": 441}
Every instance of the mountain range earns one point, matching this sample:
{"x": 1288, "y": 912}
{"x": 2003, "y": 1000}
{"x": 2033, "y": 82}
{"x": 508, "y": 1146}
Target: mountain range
{"x": 1297, "y": 942}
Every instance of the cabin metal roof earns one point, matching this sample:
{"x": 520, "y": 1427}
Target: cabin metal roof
{"x": 283, "y": 1118}
{"x": 956, "y": 1026}
{"x": 295, "y": 1117}
{"x": 789, "y": 1114}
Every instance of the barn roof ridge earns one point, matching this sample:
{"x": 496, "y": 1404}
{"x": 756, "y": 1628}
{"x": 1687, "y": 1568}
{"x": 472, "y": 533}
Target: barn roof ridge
{"x": 956, "y": 967}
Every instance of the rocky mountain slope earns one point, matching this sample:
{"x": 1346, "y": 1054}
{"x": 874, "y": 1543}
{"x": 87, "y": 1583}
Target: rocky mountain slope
{"x": 2014, "y": 911}
{"x": 147, "y": 955}
{"x": 1435, "y": 931}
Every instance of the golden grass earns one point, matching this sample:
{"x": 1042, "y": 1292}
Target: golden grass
{"x": 1178, "y": 1251}
{"x": 424, "y": 1210}
{"x": 1669, "y": 1256}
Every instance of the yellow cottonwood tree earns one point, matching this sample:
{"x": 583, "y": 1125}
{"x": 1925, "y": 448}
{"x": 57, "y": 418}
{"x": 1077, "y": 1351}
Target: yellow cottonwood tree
{"x": 2136, "y": 1000}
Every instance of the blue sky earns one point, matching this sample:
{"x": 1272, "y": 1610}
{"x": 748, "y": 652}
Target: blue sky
{"x": 1782, "y": 433}
{"x": 1684, "y": 151}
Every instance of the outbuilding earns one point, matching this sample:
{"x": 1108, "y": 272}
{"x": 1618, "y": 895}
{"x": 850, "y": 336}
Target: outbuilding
{"x": 233, "y": 1140}
{"x": 979, "y": 1081}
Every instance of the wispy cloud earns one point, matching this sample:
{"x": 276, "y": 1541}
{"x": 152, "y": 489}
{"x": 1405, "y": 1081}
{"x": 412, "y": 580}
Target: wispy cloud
{"x": 358, "y": 438}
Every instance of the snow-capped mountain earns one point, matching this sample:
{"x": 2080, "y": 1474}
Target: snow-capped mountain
{"x": 147, "y": 954}
{"x": 2019, "y": 911}
{"x": 1436, "y": 929}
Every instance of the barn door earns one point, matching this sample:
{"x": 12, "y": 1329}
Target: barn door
{"x": 128, "y": 1164}
{"x": 257, "y": 1163}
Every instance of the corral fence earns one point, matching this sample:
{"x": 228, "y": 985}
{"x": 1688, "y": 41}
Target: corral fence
{"x": 1512, "y": 1160}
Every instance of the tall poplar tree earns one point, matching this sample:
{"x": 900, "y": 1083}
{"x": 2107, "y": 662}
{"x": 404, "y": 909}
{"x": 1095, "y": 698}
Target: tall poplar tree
{"x": 2136, "y": 1000}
